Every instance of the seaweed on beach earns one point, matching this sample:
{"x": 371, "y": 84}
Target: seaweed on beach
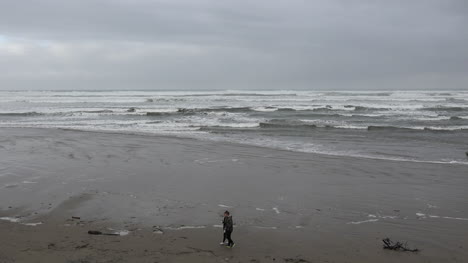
{"x": 398, "y": 246}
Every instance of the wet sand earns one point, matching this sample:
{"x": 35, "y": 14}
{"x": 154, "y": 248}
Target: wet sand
{"x": 165, "y": 196}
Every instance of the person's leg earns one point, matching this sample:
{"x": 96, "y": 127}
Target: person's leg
{"x": 228, "y": 235}
{"x": 224, "y": 236}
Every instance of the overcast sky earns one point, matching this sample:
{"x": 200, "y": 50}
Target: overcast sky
{"x": 238, "y": 44}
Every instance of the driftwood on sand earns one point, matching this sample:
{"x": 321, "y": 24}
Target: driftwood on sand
{"x": 94, "y": 232}
{"x": 389, "y": 244}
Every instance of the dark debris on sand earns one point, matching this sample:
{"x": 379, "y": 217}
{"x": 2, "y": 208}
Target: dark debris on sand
{"x": 398, "y": 246}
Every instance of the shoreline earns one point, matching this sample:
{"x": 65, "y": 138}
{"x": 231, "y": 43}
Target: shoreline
{"x": 290, "y": 206}
{"x": 169, "y": 136}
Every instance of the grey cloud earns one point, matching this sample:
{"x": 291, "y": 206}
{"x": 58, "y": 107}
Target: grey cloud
{"x": 207, "y": 44}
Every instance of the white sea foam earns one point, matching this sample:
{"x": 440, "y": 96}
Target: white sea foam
{"x": 276, "y": 210}
{"x": 18, "y": 220}
{"x": 11, "y": 219}
{"x": 185, "y": 227}
{"x": 266, "y": 227}
{"x": 362, "y": 222}
{"x": 381, "y": 216}
{"x": 32, "y": 224}
{"x": 224, "y": 206}
{"x": 122, "y": 232}
{"x": 119, "y": 232}
{"x": 421, "y": 215}
{"x": 425, "y": 113}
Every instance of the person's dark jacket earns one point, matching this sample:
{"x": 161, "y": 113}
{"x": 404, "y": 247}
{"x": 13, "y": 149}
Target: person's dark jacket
{"x": 228, "y": 224}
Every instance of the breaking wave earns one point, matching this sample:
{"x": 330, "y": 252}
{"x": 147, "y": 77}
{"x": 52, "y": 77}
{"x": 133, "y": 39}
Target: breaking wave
{"x": 382, "y": 123}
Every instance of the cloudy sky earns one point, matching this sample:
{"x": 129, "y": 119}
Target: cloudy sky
{"x": 233, "y": 44}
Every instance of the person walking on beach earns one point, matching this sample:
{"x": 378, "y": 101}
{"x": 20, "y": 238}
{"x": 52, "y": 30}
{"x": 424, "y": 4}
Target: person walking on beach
{"x": 228, "y": 227}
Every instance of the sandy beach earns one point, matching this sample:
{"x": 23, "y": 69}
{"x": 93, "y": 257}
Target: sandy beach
{"x": 331, "y": 131}
{"x": 163, "y": 197}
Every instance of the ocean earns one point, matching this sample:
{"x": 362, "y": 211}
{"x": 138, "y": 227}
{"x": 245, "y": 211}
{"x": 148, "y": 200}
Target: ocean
{"x": 414, "y": 126}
